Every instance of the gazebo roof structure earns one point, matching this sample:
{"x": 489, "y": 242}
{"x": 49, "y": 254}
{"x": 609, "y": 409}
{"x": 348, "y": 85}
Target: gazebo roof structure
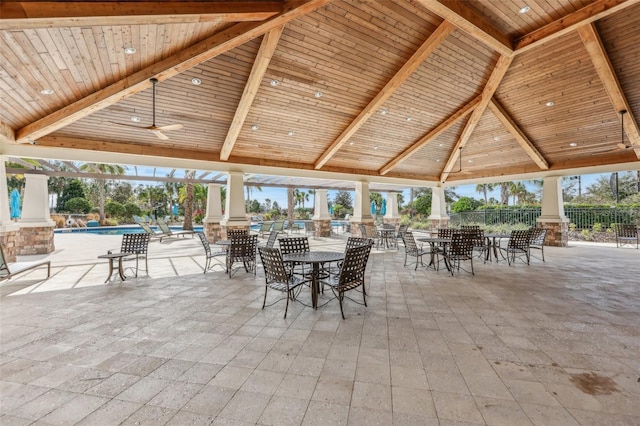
{"x": 418, "y": 92}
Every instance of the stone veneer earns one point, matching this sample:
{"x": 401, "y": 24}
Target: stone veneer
{"x": 9, "y": 242}
{"x": 212, "y": 231}
{"x": 355, "y": 228}
{"x": 223, "y": 229}
{"x": 35, "y": 240}
{"x": 323, "y": 227}
{"x": 439, "y": 223}
{"x": 394, "y": 221}
{"x": 557, "y": 233}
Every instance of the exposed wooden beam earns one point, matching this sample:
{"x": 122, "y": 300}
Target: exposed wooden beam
{"x": 456, "y": 12}
{"x": 20, "y": 15}
{"x": 260, "y": 65}
{"x": 432, "y": 42}
{"x": 600, "y": 59}
{"x": 72, "y": 166}
{"x": 6, "y": 133}
{"x": 182, "y": 61}
{"x": 586, "y": 15}
{"x": 28, "y": 165}
{"x": 490, "y": 88}
{"x": 518, "y": 134}
{"x": 432, "y": 135}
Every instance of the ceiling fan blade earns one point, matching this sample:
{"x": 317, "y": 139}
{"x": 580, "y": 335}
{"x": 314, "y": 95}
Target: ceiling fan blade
{"x": 160, "y": 135}
{"x": 126, "y": 125}
{"x": 169, "y": 127}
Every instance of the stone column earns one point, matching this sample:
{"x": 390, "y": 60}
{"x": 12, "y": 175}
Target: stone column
{"x": 321, "y": 217}
{"x": 8, "y": 228}
{"x": 36, "y": 226}
{"x": 213, "y": 216}
{"x": 552, "y": 218}
{"x": 392, "y": 215}
{"x": 235, "y": 212}
{"x": 438, "y": 216}
{"x": 361, "y": 209}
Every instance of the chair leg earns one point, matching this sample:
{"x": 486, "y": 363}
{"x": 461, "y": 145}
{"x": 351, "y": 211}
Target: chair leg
{"x": 542, "y": 250}
{"x": 340, "y": 297}
{"x": 264, "y": 302}
{"x": 472, "y": 272}
{"x": 286, "y": 307}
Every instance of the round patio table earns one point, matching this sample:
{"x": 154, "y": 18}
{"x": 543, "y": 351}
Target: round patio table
{"x": 315, "y": 258}
{"x": 433, "y": 241}
{"x": 493, "y": 241}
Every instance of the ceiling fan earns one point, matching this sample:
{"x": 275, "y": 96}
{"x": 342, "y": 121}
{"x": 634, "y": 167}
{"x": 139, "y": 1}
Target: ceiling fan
{"x": 621, "y": 144}
{"x": 156, "y": 130}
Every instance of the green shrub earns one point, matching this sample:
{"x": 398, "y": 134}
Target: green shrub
{"x": 114, "y": 209}
{"x": 572, "y": 227}
{"x": 78, "y": 205}
{"x": 597, "y": 227}
{"x": 586, "y": 234}
{"x": 131, "y": 209}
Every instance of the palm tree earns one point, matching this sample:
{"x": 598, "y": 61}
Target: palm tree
{"x": 484, "y": 188}
{"x": 290, "y": 199}
{"x": 113, "y": 169}
{"x": 249, "y": 190}
{"x": 504, "y": 193}
{"x": 188, "y": 200}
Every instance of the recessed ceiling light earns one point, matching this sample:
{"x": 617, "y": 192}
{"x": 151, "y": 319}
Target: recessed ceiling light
{"x": 524, "y": 9}
{"x": 135, "y": 118}
{"x": 318, "y": 94}
{"x": 46, "y": 92}
{"x": 384, "y": 111}
{"x": 129, "y": 50}
{"x": 438, "y": 160}
{"x": 496, "y": 138}
{"x": 196, "y": 81}
{"x": 549, "y": 104}
{"x": 470, "y": 161}
{"x": 573, "y": 144}
{"x": 274, "y": 83}
{"x": 409, "y": 118}
{"x": 375, "y": 147}
{"x": 441, "y": 145}
{"x": 350, "y": 143}
{"x": 291, "y": 133}
{"x": 255, "y": 127}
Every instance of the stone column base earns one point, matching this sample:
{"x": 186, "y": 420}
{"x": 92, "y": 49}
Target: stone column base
{"x": 439, "y": 223}
{"x": 9, "y": 242}
{"x": 212, "y": 231}
{"x": 35, "y": 240}
{"x": 557, "y": 233}
{"x": 224, "y": 228}
{"x": 355, "y": 228}
{"x": 323, "y": 227}
{"x": 392, "y": 220}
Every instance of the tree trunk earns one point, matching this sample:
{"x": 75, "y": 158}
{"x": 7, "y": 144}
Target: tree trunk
{"x": 290, "y": 207}
{"x": 101, "y": 183}
{"x": 188, "y": 202}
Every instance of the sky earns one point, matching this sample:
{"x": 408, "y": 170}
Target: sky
{"x": 280, "y": 194}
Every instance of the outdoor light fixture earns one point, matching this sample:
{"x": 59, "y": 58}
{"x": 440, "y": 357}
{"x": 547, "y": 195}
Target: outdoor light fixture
{"x": 291, "y": 133}
{"x": 318, "y": 94}
{"x": 196, "y": 81}
{"x": 47, "y": 91}
{"x": 129, "y": 50}
{"x": 135, "y": 118}
{"x": 274, "y": 83}
{"x": 524, "y": 9}
{"x": 255, "y": 127}
{"x": 549, "y": 104}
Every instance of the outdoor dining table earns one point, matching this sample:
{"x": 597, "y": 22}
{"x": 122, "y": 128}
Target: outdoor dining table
{"x": 387, "y": 237}
{"x": 112, "y": 258}
{"x": 315, "y": 258}
{"x": 433, "y": 241}
{"x": 493, "y": 242}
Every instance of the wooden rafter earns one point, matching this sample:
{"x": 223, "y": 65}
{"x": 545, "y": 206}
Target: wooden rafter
{"x": 433, "y": 41}
{"x": 260, "y": 65}
{"x": 518, "y": 134}
{"x": 432, "y": 135}
{"x": 456, "y": 12}
{"x": 182, "y": 61}
{"x": 20, "y": 161}
{"x": 72, "y": 166}
{"x": 6, "y": 133}
{"x": 18, "y": 15}
{"x": 598, "y": 55}
{"x": 490, "y": 88}
{"x": 586, "y": 15}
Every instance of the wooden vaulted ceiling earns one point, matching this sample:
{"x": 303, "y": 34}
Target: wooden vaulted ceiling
{"x": 430, "y": 90}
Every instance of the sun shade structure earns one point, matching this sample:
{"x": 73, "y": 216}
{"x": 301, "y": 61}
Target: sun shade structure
{"x": 380, "y": 90}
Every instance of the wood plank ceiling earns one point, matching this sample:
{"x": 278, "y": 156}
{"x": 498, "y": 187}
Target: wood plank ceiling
{"x": 390, "y": 88}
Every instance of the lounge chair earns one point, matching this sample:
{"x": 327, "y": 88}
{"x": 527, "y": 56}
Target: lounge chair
{"x": 167, "y": 232}
{"x": 278, "y": 225}
{"x": 150, "y": 231}
{"x": 9, "y": 270}
{"x": 265, "y": 229}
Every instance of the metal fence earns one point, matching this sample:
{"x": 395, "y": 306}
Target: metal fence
{"x": 582, "y": 218}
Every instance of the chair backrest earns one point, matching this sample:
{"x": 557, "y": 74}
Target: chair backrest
{"x": 240, "y": 246}
{"x": 388, "y": 226}
{"x": 205, "y": 243}
{"x": 145, "y": 226}
{"x": 354, "y": 265}
{"x": 294, "y": 245}
{"x": 278, "y": 225}
{"x": 266, "y": 226}
{"x": 233, "y": 232}
{"x": 409, "y": 241}
{"x": 274, "y": 269}
{"x": 163, "y": 226}
{"x": 356, "y": 241}
{"x": 465, "y": 227}
{"x": 273, "y": 237}
{"x": 461, "y": 245}
{"x": 537, "y": 236}
{"x": 310, "y": 227}
{"x": 519, "y": 240}
{"x": 135, "y": 243}
{"x": 4, "y": 267}
{"x": 363, "y": 230}
{"x": 625, "y": 230}
{"x": 401, "y": 230}
{"x": 446, "y": 232}
{"x": 252, "y": 246}
{"x": 475, "y": 234}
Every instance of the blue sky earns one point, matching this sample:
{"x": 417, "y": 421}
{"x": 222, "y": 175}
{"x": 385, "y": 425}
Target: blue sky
{"x": 280, "y": 194}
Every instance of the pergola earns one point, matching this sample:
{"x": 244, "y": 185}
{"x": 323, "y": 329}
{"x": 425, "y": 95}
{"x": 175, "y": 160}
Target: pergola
{"x": 403, "y": 92}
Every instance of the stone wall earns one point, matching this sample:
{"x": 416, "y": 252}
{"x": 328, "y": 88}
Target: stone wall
{"x": 9, "y": 242}
{"x": 223, "y": 229}
{"x": 212, "y": 231}
{"x": 35, "y": 240}
{"x": 392, "y": 220}
{"x": 439, "y": 223}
